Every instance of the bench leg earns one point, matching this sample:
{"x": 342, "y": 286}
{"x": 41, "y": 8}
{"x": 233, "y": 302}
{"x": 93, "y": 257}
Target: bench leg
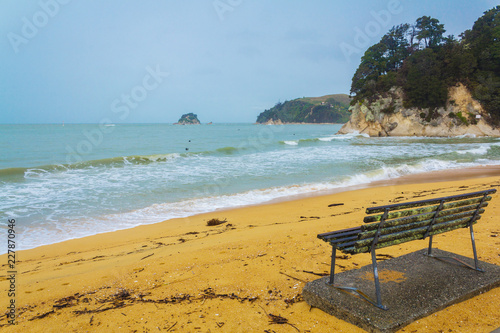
{"x": 356, "y": 291}
{"x": 332, "y": 267}
{"x": 474, "y": 249}
{"x": 429, "y": 250}
{"x": 377, "y": 283}
{"x": 455, "y": 260}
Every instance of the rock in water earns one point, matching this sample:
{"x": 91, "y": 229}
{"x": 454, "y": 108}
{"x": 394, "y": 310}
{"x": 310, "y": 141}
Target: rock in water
{"x": 188, "y": 119}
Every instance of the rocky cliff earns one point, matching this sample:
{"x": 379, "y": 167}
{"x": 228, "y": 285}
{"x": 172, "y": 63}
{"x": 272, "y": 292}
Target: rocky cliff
{"x": 386, "y": 116}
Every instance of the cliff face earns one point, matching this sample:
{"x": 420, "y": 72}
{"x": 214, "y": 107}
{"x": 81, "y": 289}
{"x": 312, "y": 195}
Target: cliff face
{"x": 386, "y": 116}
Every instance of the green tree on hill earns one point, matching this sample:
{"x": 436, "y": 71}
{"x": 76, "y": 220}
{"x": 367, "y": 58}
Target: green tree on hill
{"x": 305, "y": 110}
{"x": 424, "y": 63}
{"x": 484, "y": 43}
{"x": 422, "y": 83}
{"x": 430, "y": 31}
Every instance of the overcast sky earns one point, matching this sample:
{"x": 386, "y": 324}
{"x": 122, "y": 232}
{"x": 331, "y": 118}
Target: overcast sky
{"x": 150, "y": 61}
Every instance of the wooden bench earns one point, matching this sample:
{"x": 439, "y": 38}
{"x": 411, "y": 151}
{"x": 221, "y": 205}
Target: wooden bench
{"x": 403, "y": 222}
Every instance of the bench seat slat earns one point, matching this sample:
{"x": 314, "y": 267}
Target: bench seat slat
{"x": 346, "y": 245}
{"x": 443, "y": 215}
{"x": 338, "y": 242}
{"x": 365, "y": 249}
{"x": 418, "y": 224}
{"x": 341, "y": 235}
{"x": 427, "y": 209}
{"x": 418, "y": 232}
{"x": 421, "y": 203}
{"x": 327, "y": 234}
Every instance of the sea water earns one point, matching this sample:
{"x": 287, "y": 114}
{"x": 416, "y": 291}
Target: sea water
{"x": 62, "y": 182}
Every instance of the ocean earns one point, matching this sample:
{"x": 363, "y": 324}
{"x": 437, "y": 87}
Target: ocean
{"x": 63, "y": 182}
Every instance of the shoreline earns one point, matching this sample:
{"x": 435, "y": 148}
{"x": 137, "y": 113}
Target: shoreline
{"x": 418, "y": 178}
{"x": 426, "y": 177}
{"x": 182, "y": 275}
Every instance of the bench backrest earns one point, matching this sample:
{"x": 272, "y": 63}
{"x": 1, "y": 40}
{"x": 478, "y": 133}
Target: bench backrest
{"x": 398, "y": 223}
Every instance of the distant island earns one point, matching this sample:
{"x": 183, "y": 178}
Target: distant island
{"x": 309, "y": 110}
{"x": 417, "y": 82}
{"x": 188, "y": 119}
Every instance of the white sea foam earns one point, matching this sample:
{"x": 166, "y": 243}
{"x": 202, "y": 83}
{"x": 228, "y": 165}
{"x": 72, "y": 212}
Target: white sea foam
{"x": 48, "y": 233}
{"x": 108, "y": 193}
{"x": 475, "y": 151}
{"x": 466, "y": 135}
{"x": 345, "y": 136}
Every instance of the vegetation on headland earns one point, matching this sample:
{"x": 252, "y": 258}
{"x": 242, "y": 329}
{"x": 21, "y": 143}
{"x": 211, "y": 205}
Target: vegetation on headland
{"x": 424, "y": 63}
{"x": 325, "y": 109}
{"x": 188, "y": 119}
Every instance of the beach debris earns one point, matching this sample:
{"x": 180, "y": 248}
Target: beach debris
{"x": 215, "y": 221}
{"x": 335, "y": 204}
{"x": 343, "y": 256}
{"x": 64, "y": 302}
{"x": 274, "y": 319}
{"x": 398, "y": 199}
{"x": 293, "y": 277}
{"x": 122, "y": 294}
{"x": 314, "y": 273}
{"x": 147, "y": 256}
{"x": 125, "y": 297}
{"x": 295, "y": 299}
{"x": 209, "y": 293}
{"x": 346, "y": 213}
{"x": 381, "y": 256}
{"x": 310, "y": 217}
{"x": 43, "y": 315}
{"x": 170, "y": 328}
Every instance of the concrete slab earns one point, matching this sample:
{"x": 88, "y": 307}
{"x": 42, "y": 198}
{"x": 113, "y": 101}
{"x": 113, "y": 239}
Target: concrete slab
{"x": 413, "y": 286}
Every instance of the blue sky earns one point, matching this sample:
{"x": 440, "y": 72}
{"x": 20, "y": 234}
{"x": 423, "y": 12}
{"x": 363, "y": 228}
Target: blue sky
{"x": 226, "y": 60}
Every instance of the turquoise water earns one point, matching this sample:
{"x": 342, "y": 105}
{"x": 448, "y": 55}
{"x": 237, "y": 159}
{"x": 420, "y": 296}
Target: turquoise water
{"x": 63, "y": 182}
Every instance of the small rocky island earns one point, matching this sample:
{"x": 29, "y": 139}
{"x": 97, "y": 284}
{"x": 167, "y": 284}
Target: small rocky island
{"x": 188, "y": 119}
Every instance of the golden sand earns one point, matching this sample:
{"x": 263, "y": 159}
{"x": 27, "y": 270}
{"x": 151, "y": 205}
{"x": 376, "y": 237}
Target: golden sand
{"x": 184, "y": 276}
{"x": 386, "y": 276}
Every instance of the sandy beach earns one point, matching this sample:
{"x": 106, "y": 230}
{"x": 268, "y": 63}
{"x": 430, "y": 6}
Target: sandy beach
{"x": 184, "y": 276}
